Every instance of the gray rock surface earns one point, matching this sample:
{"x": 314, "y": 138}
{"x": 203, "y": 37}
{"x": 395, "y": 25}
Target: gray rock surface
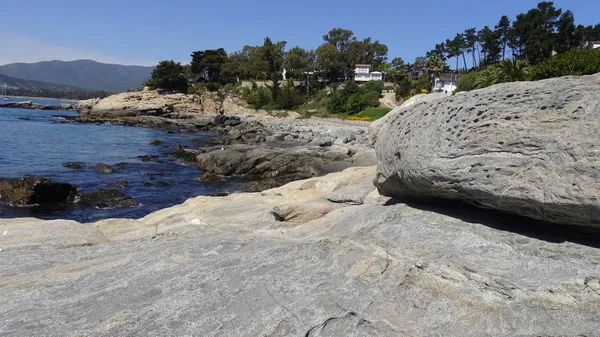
{"x": 227, "y": 267}
{"x": 529, "y": 148}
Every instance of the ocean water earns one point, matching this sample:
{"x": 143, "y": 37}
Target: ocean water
{"x": 35, "y": 142}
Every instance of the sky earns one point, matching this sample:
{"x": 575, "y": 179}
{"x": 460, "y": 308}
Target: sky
{"x": 145, "y": 32}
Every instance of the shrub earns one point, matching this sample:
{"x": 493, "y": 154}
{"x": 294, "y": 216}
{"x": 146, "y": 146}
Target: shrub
{"x": 212, "y": 86}
{"x": 573, "y": 62}
{"x": 356, "y": 103}
{"x": 403, "y": 88}
{"x": 467, "y": 82}
{"x": 371, "y": 99}
{"x": 264, "y": 97}
{"x": 376, "y": 86}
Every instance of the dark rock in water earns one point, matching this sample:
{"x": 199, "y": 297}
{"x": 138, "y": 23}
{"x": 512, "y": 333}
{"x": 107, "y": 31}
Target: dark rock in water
{"x": 149, "y": 157}
{"x": 118, "y": 184}
{"x": 208, "y": 177}
{"x": 35, "y": 190}
{"x": 74, "y": 165}
{"x": 103, "y": 168}
{"x": 157, "y": 142}
{"x": 108, "y": 199}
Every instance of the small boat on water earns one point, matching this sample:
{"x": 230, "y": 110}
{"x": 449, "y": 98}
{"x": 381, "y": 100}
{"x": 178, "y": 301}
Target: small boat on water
{"x": 3, "y": 94}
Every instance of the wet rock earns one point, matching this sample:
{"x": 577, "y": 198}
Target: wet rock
{"x": 147, "y": 158}
{"x": 103, "y": 168}
{"x": 75, "y": 165}
{"x": 34, "y": 190}
{"x": 108, "y": 199}
{"x": 118, "y": 184}
{"x": 157, "y": 142}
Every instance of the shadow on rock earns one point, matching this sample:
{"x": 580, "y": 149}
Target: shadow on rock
{"x": 541, "y": 230}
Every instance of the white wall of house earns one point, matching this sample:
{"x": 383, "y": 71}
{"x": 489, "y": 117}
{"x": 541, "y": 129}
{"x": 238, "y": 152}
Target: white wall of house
{"x": 444, "y": 86}
{"x": 363, "y": 73}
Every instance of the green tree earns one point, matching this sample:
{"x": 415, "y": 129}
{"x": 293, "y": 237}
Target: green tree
{"x": 329, "y": 62}
{"x": 490, "y": 45}
{"x": 453, "y": 50}
{"x": 238, "y": 65}
{"x": 470, "y": 43}
{"x": 420, "y": 63}
{"x": 398, "y": 63}
{"x": 289, "y": 96}
{"x": 298, "y": 61}
{"x": 533, "y": 32}
{"x": 503, "y": 31}
{"x": 566, "y": 38}
{"x": 207, "y": 64}
{"x": 168, "y": 75}
{"x": 272, "y": 58}
{"x": 435, "y": 65}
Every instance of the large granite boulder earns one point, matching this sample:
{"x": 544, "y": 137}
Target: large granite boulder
{"x": 530, "y": 148}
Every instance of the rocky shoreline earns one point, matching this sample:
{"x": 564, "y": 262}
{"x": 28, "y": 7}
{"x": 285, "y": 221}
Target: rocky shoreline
{"x": 429, "y": 242}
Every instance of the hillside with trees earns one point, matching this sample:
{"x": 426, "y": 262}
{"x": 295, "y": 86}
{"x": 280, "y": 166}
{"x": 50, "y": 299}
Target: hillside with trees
{"x": 542, "y": 42}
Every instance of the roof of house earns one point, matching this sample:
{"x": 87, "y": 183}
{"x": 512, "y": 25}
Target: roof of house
{"x": 363, "y": 65}
{"x": 594, "y": 42}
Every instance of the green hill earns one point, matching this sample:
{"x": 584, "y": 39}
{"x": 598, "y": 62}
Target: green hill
{"x": 20, "y": 87}
{"x": 85, "y": 74}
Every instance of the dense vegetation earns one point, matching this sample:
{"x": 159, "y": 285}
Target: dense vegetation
{"x": 20, "y": 87}
{"x": 516, "y": 50}
{"x": 84, "y": 74}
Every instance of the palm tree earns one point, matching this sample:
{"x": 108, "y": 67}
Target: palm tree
{"x": 512, "y": 70}
{"x": 488, "y": 76}
{"x": 435, "y": 65}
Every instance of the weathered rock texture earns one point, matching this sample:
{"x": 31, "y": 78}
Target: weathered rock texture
{"x": 286, "y": 262}
{"x": 531, "y": 148}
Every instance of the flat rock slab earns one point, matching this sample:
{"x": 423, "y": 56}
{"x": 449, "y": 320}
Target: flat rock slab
{"x": 530, "y": 148}
{"x": 227, "y": 267}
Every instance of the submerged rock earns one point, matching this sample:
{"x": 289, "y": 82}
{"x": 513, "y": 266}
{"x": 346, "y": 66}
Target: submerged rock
{"x": 103, "y": 168}
{"x": 75, "y": 165}
{"x": 35, "y": 190}
{"x": 108, "y": 199}
{"x": 528, "y": 148}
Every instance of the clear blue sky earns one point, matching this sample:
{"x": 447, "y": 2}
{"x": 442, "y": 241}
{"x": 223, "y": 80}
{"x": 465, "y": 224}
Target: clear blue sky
{"x": 144, "y": 32}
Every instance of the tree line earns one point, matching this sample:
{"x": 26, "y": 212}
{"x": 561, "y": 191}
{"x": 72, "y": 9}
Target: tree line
{"x": 334, "y": 60}
{"x": 497, "y": 54}
{"x": 532, "y": 37}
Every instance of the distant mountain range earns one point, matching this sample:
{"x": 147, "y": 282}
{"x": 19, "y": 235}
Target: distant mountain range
{"x": 83, "y": 74}
{"x": 20, "y": 87}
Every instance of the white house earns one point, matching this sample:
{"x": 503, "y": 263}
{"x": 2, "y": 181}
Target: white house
{"x": 593, "y": 44}
{"x": 364, "y": 73}
{"x": 445, "y": 82}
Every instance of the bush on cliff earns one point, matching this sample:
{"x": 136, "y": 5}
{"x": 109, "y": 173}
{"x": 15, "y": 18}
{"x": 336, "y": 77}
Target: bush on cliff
{"x": 573, "y": 62}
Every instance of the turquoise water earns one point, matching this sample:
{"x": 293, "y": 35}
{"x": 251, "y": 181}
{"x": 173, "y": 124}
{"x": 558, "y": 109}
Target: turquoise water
{"x": 34, "y": 142}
